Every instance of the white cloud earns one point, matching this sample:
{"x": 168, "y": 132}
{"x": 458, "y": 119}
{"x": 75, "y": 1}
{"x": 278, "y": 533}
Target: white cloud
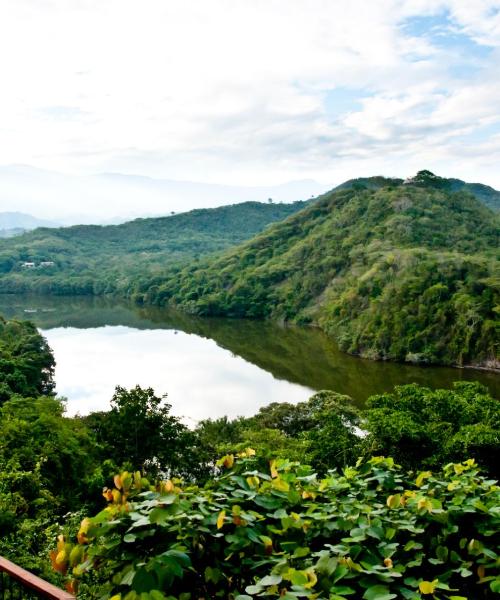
{"x": 233, "y": 91}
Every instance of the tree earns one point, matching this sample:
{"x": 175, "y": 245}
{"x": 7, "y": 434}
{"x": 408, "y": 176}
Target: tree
{"x": 140, "y": 431}
{"x": 26, "y": 361}
{"x": 35, "y": 436}
{"x": 424, "y": 428}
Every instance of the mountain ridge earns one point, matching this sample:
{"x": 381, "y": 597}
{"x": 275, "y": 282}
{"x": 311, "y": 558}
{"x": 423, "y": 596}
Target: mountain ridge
{"x": 97, "y": 259}
{"x": 485, "y": 193}
{"x": 21, "y": 220}
{"x": 391, "y": 273}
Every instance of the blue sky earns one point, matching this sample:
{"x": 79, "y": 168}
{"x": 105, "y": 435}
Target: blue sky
{"x": 251, "y": 93}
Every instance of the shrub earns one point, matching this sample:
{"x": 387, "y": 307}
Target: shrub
{"x": 370, "y": 532}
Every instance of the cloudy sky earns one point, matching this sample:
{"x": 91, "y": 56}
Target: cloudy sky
{"x": 251, "y": 92}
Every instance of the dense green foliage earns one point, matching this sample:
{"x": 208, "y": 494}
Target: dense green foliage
{"x": 94, "y": 259}
{"x": 392, "y": 269}
{"x": 423, "y": 428}
{"x": 370, "y": 532}
{"x": 486, "y": 194}
{"x": 26, "y": 362}
{"x": 406, "y": 272}
{"x": 47, "y": 463}
{"x": 140, "y": 432}
{"x": 419, "y": 427}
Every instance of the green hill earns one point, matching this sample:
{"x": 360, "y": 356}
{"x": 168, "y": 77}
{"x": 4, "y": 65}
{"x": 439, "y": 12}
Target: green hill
{"x": 371, "y": 183}
{"x": 486, "y": 194}
{"x": 406, "y": 272}
{"x": 93, "y": 259}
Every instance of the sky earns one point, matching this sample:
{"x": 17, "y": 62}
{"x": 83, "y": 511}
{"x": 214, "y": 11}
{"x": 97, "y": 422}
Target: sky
{"x": 245, "y": 92}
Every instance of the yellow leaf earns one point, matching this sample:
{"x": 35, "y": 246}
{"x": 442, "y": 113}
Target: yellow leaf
{"x": 306, "y": 495}
{"x": 274, "y": 470}
{"x": 268, "y": 544}
{"x": 228, "y": 461}
{"x": 428, "y": 587}
{"x": 388, "y": 563}
{"x": 422, "y": 477}
{"x": 167, "y": 486}
{"x": 250, "y": 452}
{"x": 116, "y": 496}
{"x": 85, "y": 525}
{"x": 253, "y": 481}
{"x": 394, "y": 501}
{"x": 126, "y": 481}
{"x": 280, "y": 485}
{"x": 117, "y": 481}
{"x": 61, "y": 557}
{"x": 108, "y": 494}
{"x": 424, "y": 504}
{"x": 352, "y": 565}
{"x": 312, "y": 579}
{"x": 220, "y": 519}
{"x": 82, "y": 532}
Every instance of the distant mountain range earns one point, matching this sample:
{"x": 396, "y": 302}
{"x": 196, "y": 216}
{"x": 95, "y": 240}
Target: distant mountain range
{"x": 96, "y": 259}
{"x": 113, "y": 198}
{"x": 19, "y": 220}
{"x": 16, "y": 223}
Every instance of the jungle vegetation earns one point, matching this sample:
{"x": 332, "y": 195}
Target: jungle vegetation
{"x": 405, "y": 272}
{"x": 484, "y": 193}
{"x": 106, "y": 259}
{"x": 421, "y": 523}
{"x": 393, "y": 270}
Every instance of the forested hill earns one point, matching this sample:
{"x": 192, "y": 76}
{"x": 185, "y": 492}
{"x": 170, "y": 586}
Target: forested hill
{"x": 93, "y": 259}
{"x": 486, "y": 194}
{"x": 404, "y": 272}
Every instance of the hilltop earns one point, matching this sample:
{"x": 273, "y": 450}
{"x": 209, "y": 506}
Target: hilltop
{"x": 97, "y": 259}
{"x": 402, "y": 272}
{"x": 484, "y": 193}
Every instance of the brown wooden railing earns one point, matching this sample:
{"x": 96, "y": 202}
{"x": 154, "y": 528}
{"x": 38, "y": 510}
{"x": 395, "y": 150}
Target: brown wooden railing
{"x": 18, "y": 584}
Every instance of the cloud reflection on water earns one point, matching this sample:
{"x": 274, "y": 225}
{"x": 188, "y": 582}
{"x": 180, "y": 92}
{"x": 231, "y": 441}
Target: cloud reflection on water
{"x": 201, "y": 379}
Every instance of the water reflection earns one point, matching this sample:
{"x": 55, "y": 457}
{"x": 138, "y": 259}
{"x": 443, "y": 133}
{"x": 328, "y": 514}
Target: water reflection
{"x": 209, "y": 367}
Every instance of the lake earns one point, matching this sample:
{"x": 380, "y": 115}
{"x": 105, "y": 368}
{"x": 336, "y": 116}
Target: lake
{"x": 208, "y": 367}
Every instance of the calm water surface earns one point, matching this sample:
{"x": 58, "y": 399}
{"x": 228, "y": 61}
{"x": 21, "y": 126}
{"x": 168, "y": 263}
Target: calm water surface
{"x": 208, "y": 367}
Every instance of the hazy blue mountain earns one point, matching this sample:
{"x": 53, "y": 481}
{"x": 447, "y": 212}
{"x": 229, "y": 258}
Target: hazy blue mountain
{"x": 113, "y": 198}
{"x": 8, "y": 233}
{"x": 22, "y": 221}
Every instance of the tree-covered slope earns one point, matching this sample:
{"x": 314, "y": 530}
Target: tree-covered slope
{"x": 26, "y": 361}
{"x": 486, "y": 194}
{"x": 93, "y": 259}
{"x": 405, "y": 272}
